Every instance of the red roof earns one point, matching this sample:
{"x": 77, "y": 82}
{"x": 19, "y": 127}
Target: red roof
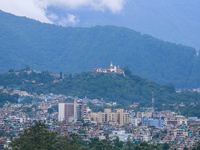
{"x": 133, "y": 106}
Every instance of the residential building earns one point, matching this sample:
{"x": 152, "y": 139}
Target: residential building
{"x": 176, "y": 120}
{"x": 153, "y": 122}
{"x": 107, "y": 116}
{"x": 75, "y": 110}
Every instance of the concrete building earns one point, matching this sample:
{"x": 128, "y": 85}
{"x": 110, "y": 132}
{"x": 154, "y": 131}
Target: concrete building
{"x": 72, "y": 111}
{"x": 80, "y": 109}
{"x": 151, "y": 122}
{"x": 61, "y": 111}
{"x": 119, "y": 116}
{"x": 145, "y": 136}
{"x": 177, "y": 120}
{"x": 193, "y": 120}
{"x": 93, "y": 116}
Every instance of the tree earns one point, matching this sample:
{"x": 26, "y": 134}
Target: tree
{"x": 127, "y": 71}
{"x": 50, "y": 110}
{"x": 2, "y": 133}
{"x": 130, "y": 143}
{"x": 185, "y": 148}
{"x": 27, "y": 68}
{"x": 166, "y": 146}
{"x": 81, "y": 120}
{"x": 144, "y": 144}
{"x": 55, "y": 107}
{"x": 37, "y": 137}
{"x": 193, "y": 148}
{"x": 117, "y": 142}
{"x": 198, "y": 147}
{"x": 11, "y": 70}
{"x": 94, "y": 143}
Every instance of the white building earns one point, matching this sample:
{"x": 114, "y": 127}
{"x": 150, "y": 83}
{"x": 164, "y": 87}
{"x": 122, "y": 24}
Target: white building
{"x": 72, "y": 111}
{"x": 61, "y": 111}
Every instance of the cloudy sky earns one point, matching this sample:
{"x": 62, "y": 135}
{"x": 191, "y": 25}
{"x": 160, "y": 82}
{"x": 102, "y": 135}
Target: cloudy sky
{"x": 38, "y": 9}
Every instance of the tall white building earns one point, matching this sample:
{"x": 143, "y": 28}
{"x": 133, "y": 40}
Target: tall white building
{"x": 72, "y": 111}
{"x": 61, "y": 113}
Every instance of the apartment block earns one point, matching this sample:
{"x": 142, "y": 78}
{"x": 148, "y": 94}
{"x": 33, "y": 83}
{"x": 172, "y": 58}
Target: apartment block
{"x": 119, "y": 116}
{"x": 72, "y": 111}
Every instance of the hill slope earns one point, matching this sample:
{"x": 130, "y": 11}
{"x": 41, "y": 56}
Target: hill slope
{"x": 111, "y": 87}
{"x": 44, "y": 46}
{"x": 114, "y": 87}
{"x": 172, "y": 20}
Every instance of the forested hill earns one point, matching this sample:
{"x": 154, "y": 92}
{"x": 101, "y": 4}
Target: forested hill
{"x": 125, "y": 90}
{"x": 114, "y": 87}
{"x": 49, "y": 47}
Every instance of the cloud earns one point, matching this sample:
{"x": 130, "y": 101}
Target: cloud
{"x": 33, "y": 9}
{"x": 113, "y": 5}
{"x": 70, "y": 20}
{"x": 53, "y": 16}
{"x": 37, "y": 9}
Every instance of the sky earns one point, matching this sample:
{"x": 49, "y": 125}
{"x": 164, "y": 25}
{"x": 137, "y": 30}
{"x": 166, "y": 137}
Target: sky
{"x": 38, "y": 9}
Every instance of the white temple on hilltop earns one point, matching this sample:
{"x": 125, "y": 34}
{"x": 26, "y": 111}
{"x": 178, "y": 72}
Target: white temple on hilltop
{"x": 112, "y": 69}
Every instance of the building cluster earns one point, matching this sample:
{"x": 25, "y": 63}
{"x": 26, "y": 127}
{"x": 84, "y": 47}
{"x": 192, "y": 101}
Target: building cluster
{"x": 75, "y": 117}
{"x": 153, "y": 127}
{"x": 115, "y": 70}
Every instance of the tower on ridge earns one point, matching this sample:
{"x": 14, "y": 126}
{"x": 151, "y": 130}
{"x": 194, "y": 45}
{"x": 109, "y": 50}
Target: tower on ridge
{"x": 111, "y": 65}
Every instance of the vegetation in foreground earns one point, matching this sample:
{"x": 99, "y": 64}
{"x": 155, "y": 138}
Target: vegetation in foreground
{"x": 37, "y": 137}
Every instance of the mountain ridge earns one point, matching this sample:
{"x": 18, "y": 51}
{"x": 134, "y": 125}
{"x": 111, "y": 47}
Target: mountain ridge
{"x": 174, "y": 21}
{"x": 75, "y": 49}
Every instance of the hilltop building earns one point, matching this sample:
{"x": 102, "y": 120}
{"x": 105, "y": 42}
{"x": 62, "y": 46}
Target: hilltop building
{"x": 112, "y": 69}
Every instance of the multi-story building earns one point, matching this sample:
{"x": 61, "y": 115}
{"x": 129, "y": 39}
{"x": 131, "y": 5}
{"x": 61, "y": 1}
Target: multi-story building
{"x": 93, "y": 116}
{"x": 125, "y": 117}
{"x": 193, "y": 120}
{"x": 61, "y": 112}
{"x": 72, "y": 111}
{"x": 150, "y": 122}
{"x": 119, "y": 116}
{"x": 80, "y": 109}
{"x": 177, "y": 120}
{"x": 140, "y": 114}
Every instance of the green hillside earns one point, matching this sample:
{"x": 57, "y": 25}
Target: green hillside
{"x": 114, "y": 87}
{"x": 125, "y": 90}
{"x": 49, "y": 47}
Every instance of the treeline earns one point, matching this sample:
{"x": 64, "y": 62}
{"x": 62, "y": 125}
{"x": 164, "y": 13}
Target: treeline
{"x": 190, "y": 111}
{"x": 117, "y": 88}
{"x": 70, "y": 50}
{"x": 24, "y": 76}
{"x": 8, "y": 98}
{"x": 39, "y": 138}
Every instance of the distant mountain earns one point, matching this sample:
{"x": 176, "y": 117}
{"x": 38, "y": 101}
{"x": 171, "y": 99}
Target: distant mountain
{"x": 49, "y": 47}
{"x": 170, "y": 20}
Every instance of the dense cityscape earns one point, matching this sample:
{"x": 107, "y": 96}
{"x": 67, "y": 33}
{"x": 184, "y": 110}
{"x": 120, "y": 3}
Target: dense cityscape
{"x": 74, "y": 116}
{"x": 99, "y": 75}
